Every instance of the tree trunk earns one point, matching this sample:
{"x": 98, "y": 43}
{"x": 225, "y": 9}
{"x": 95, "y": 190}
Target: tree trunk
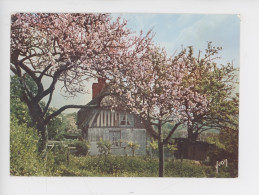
{"x": 43, "y": 133}
{"x": 161, "y": 158}
{"x": 36, "y": 116}
{"x": 160, "y": 150}
{"x": 192, "y": 136}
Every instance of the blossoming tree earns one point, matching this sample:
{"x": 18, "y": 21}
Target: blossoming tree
{"x": 155, "y": 89}
{"x": 218, "y": 83}
{"x": 66, "y": 48}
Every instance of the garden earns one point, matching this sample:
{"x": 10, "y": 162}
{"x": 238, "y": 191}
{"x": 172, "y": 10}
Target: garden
{"x": 187, "y": 90}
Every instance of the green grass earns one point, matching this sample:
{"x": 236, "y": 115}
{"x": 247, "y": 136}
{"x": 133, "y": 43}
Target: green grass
{"x": 121, "y": 166}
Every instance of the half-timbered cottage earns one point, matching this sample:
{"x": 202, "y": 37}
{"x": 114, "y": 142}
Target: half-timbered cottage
{"x": 117, "y": 126}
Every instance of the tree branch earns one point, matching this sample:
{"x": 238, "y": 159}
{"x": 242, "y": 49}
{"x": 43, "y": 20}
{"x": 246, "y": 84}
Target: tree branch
{"x": 13, "y": 70}
{"x": 64, "y": 108}
{"x": 150, "y": 128}
{"x": 171, "y": 133}
{"x": 44, "y": 71}
{"x": 56, "y": 75}
{"x": 47, "y": 106}
{"x": 29, "y": 71}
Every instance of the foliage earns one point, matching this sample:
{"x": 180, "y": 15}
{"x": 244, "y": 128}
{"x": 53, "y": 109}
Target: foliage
{"x": 230, "y": 171}
{"x": 214, "y": 139}
{"x": 185, "y": 169}
{"x": 82, "y": 147}
{"x": 17, "y": 107}
{"x": 72, "y": 136}
{"x": 25, "y": 161}
{"x": 62, "y": 127}
{"x": 113, "y": 166}
{"x": 104, "y": 147}
{"x": 172, "y": 147}
{"x": 229, "y": 137}
{"x": 219, "y": 84}
{"x": 229, "y": 134}
{"x": 56, "y": 126}
{"x": 118, "y": 166}
{"x": 153, "y": 144}
{"x": 226, "y": 143}
{"x": 20, "y": 110}
{"x": 16, "y": 85}
{"x": 58, "y": 154}
{"x": 23, "y": 150}
{"x": 133, "y": 147}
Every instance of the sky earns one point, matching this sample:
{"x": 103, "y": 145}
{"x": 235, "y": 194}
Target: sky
{"x": 174, "y": 31}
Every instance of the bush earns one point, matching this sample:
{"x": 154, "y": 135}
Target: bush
{"x": 82, "y": 147}
{"x": 23, "y": 150}
{"x": 185, "y": 169}
{"x": 25, "y": 161}
{"x": 133, "y": 147}
{"x": 230, "y": 171}
{"x": 104, "y": 147}
{"x": 135, "y": 167}
{"x": 111, "y": 166}
{"x": 70, "y": 136}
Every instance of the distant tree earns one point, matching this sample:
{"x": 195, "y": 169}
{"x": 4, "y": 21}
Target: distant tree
{"x": 68, "y": 48}
{"x": 217, "y": 83}
{"x": 56, "y": 125}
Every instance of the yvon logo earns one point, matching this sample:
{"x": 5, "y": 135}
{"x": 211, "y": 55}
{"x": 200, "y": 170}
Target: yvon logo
{"x": 221, "y": 163}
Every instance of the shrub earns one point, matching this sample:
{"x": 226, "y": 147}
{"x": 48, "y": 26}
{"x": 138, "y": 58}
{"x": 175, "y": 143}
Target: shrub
{"x": 23, "y": 150}
{"x": 185, "y": 169}
{"x": 70, "y": 136}
{"x": 133, "y": 147}
{"x": 104, "y": 147}
{"x": 115, "y": 166}
{"x": 153, "y": 145}
{"x": 82, "y": 148}
{"x": 230, "y": 171}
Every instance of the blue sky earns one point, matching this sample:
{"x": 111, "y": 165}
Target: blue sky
{"x": 172, "y": 31}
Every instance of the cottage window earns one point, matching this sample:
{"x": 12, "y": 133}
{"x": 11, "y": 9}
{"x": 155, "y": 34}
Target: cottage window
{"x": 125, "y": 119}
{"x": 115, "y": 137}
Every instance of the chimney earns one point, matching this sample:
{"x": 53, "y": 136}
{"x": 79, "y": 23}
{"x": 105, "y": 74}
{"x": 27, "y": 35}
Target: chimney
{"x": 98, "y": 87}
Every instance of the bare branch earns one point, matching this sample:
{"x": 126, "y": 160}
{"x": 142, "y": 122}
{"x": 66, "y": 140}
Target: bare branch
{"x": 44, "y": 71}
{"x": 47, "y": 106}
{"x": 48, "y": 118}
{"x": 51, "y": 88}
{"x": 171, "y": 133}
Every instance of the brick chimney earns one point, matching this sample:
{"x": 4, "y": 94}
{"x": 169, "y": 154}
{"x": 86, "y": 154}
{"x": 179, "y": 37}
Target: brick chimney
{"x": 98, "y": 87}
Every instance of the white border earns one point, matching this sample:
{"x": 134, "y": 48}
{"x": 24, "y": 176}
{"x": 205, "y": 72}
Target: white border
{"x": 249, "y": 131}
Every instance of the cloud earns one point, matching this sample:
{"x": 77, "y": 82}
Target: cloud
{"x": 197, "y": 30}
